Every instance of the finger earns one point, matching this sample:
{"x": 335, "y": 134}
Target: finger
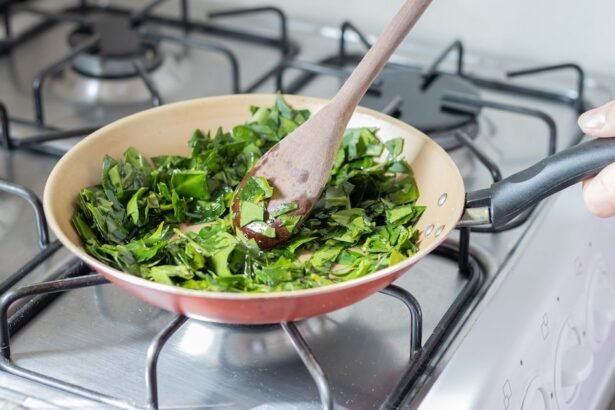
{"x": 599, "y": 192}
{"x": 599, "y": 122}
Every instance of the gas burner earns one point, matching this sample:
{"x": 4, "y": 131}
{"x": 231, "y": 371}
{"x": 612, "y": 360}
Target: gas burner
{"x": 417, "y": 100}
{"x": 118, "y": 49}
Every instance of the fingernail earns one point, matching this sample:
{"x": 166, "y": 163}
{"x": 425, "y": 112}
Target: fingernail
{"x": 593, "y": 119}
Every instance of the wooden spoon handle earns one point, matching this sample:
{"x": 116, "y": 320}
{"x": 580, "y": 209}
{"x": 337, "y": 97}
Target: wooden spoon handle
{"x": 368, "y": 69}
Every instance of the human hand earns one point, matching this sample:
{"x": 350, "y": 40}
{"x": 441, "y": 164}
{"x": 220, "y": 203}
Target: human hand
{"x": 599, "y": 191}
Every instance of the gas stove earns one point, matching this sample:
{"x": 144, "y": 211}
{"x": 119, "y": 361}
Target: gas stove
{"x": 514, "y": 318}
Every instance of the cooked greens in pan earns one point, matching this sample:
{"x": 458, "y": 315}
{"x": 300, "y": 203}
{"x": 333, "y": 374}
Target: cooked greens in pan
{"x": 363, "y": 222}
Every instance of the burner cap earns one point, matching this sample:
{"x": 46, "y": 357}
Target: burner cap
{"x": 119, "y": 47}
{"x": 421, "y": 104}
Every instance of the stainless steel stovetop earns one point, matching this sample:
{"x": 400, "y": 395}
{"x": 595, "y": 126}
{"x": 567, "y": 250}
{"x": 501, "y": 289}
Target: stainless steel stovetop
{"x": 98, "y": 337}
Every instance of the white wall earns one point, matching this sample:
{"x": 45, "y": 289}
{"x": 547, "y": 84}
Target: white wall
{"x": 551, "y": 31}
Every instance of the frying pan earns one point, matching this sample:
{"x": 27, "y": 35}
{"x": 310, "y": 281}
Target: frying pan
{"x": 166, "y": 129}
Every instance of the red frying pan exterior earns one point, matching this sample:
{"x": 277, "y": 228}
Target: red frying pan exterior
{"x": 166, "y": 129}
{"x": 255, "y": 310}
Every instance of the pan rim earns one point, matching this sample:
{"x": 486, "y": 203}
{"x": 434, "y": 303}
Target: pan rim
{"x": 107, "y": 270}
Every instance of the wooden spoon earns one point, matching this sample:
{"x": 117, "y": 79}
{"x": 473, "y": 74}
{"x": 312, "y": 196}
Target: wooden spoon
{"x": 299, "y": 165}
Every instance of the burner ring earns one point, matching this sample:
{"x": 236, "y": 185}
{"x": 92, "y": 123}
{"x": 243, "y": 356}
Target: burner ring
{"x": 118, "y": 49}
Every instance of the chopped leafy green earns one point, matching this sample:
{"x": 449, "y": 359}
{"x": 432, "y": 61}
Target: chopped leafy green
{"x": 290, "y": 221}
{"x": 283, "y": 209}
{"x": 363, "y": 222}
{"x": 190, "y": 183}
{"x": 164, "y": 273}
{"x": 255, "y": 190}
{"x": 250, "y": 212}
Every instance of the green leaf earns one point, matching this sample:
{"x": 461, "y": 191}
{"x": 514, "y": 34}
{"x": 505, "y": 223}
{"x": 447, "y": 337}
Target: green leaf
{"x": 249, "y": 212}
{"x": 283, "y": 209}
{"x": 400, "y": 213}
{"x": 400, "y": 167}
{"x": 163, "y": 191}
{"x": 83, "y": 230}
{"x": 395, "y": 257}
{"x": 179, "y": 207}
{"x": 283, "y": 107}
{"x": 260, "y": 115}
{"x": 206, "y": 211}
{"x": 191, "y": 184}
{"x": 164, "y": 273}
{"x": 348, "y": 257}
{"x": 243, "y": 133}
{"x": 404, "y": 191}
{"x": 347, "y": 215}
{"x": 199, "y": 142}
{"x": 255, "y": 190}
{"x": 338, "y": 196}
{"x": 297, "y": 243}
{"x": 132, "y": 208}
{"x": 394, "y": 146}
{"x": 273, "y": 275}
{"x": 290, "y": 221}
{"x": 264, "y": 185}
{"x": 323, "y": 258}
{"x": 220, "y": 261}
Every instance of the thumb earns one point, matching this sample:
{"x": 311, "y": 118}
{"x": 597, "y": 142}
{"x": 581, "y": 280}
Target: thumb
{"x": 599, "y": 122}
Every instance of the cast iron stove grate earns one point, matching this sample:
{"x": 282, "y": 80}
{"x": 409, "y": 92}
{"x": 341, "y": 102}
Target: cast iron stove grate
{"x": 19, "y": 305}
{"x": 97, "y": 53}
{"x": 441, "y": 104}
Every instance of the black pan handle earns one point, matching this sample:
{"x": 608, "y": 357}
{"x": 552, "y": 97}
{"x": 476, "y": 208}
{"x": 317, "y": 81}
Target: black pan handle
{"x": 509, "y": 197}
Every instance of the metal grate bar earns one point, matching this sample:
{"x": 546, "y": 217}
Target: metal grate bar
{"x": 151, "y": 363}
{"x": 576, "y": 102}
{"x": 10, "y": 367}
{"x": 14, "y": 41}
{"x": 491, "y": 166}
{"x": 149, "y": 84}
{"x": 37, "y": 84}
{"x": 283, "y": 38}
{"x": 53, "y": 286}
{"x": 32, "y": 199}
{"x": 203, "y": 45}
{"x": 311, "y": 363}
{"x": 26, "y": 309}
{"x": 550, "y": 68}
{"x": 52, "y": 136}
{"x": 66, "y": 17}
{"x": 401, "y": 391}
{"x": 6, "y": 19}
{"x": 184, "y": 13}
{"x": 311, "y": 68}
{"x": 348, "y": 26}
{"x": 191, "y": 25}
{"x": 4, "y": 127}
{"x": 451, "y": 100}
{"x": 394, "y": 106}
{"x": 457, "y": 45}
{"x": 139, "y": 15}
{"x": 416, "y": 316}
{"x": 29, "y": 266}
